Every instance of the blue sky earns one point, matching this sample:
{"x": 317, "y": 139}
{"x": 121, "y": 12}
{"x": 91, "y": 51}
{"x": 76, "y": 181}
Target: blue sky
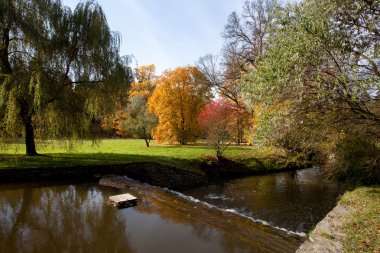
{"x": 168, "y": 33}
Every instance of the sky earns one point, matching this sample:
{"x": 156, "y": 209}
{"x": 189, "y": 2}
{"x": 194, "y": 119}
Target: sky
{"x": 168, "y": 33}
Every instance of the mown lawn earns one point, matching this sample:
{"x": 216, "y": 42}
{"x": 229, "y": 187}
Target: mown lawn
{"x": 114, "y": 151}
{"x": 363, "y": 231}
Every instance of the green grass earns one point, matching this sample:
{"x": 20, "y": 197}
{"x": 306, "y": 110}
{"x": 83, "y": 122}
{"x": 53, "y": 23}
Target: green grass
{"x": 327, "y": 236}
{"x": 110, "y": 151}
{"x": 363, "y": 231}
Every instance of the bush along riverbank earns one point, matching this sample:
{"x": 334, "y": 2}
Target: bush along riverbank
{"x": 224, "y": 168}
{"x": 352, "y": 226}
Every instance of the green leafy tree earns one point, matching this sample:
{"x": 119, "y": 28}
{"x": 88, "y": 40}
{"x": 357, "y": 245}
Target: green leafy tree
{"x": 322, "y": 62}
{"x": 60, "y": 69}
{"x": 139, "y": 121}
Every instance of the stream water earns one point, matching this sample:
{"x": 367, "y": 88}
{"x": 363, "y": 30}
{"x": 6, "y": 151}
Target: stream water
{"x": 267, "y": 213}
{"x": 295, "y": 201}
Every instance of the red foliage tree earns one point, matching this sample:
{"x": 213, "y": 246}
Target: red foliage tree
{"x": 217, "y": 120}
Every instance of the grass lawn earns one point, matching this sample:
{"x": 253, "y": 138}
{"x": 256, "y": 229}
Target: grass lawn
{"x": 115, "y": 151}
{"x": 363, "y": 231}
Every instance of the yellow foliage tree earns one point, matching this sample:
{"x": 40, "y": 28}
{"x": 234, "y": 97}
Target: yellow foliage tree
{"x": 113, "y": 124}
{"x": 176, "y": 101}
{"x": 146, "y": 81}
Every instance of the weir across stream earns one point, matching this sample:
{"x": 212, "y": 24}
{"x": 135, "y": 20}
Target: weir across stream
{"x": 70, "y": 217}
{"x": 257, "y": 233}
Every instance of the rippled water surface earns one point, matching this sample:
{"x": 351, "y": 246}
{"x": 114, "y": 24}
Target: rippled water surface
{"x": 295, "y": 201}
{"x": 74, "y": 217}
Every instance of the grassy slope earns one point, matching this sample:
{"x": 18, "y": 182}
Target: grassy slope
{"x": 116, "y": 151}
{"x": 363, "y": 231}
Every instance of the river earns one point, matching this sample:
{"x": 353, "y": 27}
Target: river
{"x": 269, "y": 213}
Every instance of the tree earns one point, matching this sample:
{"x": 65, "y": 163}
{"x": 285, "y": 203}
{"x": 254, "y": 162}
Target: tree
{"x": 139, "y": 121}
{"x": 60, "y": 69}
{"x": 247, "y": 35}
{"x": 176, "y": 101}
{"x": 131, "y": 116}
{"x": 229, "y": 88}
{"x": 146, "y": 81}
{"x": 323, "y": 64}
{"x": 246, "y": 38}
{"x": 113, "y": 124}
{"x": 217, "y": 120}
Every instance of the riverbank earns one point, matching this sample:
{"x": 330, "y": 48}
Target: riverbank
{"x": 352, "y": 226}
{"x": 147, "y": 172}
{"x": 171, "y": 166}
{"x": 107, "y": 151}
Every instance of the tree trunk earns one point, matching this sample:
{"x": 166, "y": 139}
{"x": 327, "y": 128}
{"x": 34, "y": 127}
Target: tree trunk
{"x": 182, "y": 133}
{"x": 4, "y": 54}
{"x": 29, "y": 130}
{"x": 147, "y": 142}
{"x": 29, "y": 137}
{"x": 146, "y": 137}
{"x": 238, "y": 125}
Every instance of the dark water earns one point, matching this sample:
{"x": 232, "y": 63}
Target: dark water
{"x": 295, "y": 201}
{"x": 74, "y": 217}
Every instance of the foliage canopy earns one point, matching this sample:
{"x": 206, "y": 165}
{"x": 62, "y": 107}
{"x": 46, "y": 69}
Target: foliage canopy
{"x": 60, "y": 69}
{"x": 322, "y": 65}
{"x": 176, "y": 101}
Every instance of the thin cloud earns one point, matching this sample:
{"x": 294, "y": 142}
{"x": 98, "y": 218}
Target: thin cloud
{"x": 168, "y": 33}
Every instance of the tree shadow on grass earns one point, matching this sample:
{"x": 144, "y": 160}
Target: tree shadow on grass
{"x": 88, "y": 159}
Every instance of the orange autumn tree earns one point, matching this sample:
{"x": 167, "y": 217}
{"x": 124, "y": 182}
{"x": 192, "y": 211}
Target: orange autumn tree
{"x": 113, "y": 125}
{"x": 176, "y": 101}
{"x": 145, "y": 84}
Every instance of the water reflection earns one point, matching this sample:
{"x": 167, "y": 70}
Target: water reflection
{"x": 58, "y": 219}
{"x": 295, "y": 200}
{"x": 256, "y": 236}
{"x": 74, "y": 218}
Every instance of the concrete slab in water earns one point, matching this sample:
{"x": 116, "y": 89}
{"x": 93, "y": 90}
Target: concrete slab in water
{"x": 123, "y": 200}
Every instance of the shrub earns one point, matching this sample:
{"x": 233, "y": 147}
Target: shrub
{"x": 217, "y": 120}
{"x": 356, "y": 162}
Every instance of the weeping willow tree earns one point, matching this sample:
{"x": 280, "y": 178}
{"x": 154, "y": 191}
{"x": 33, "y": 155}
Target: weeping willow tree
{"x": 60, "y": 69}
